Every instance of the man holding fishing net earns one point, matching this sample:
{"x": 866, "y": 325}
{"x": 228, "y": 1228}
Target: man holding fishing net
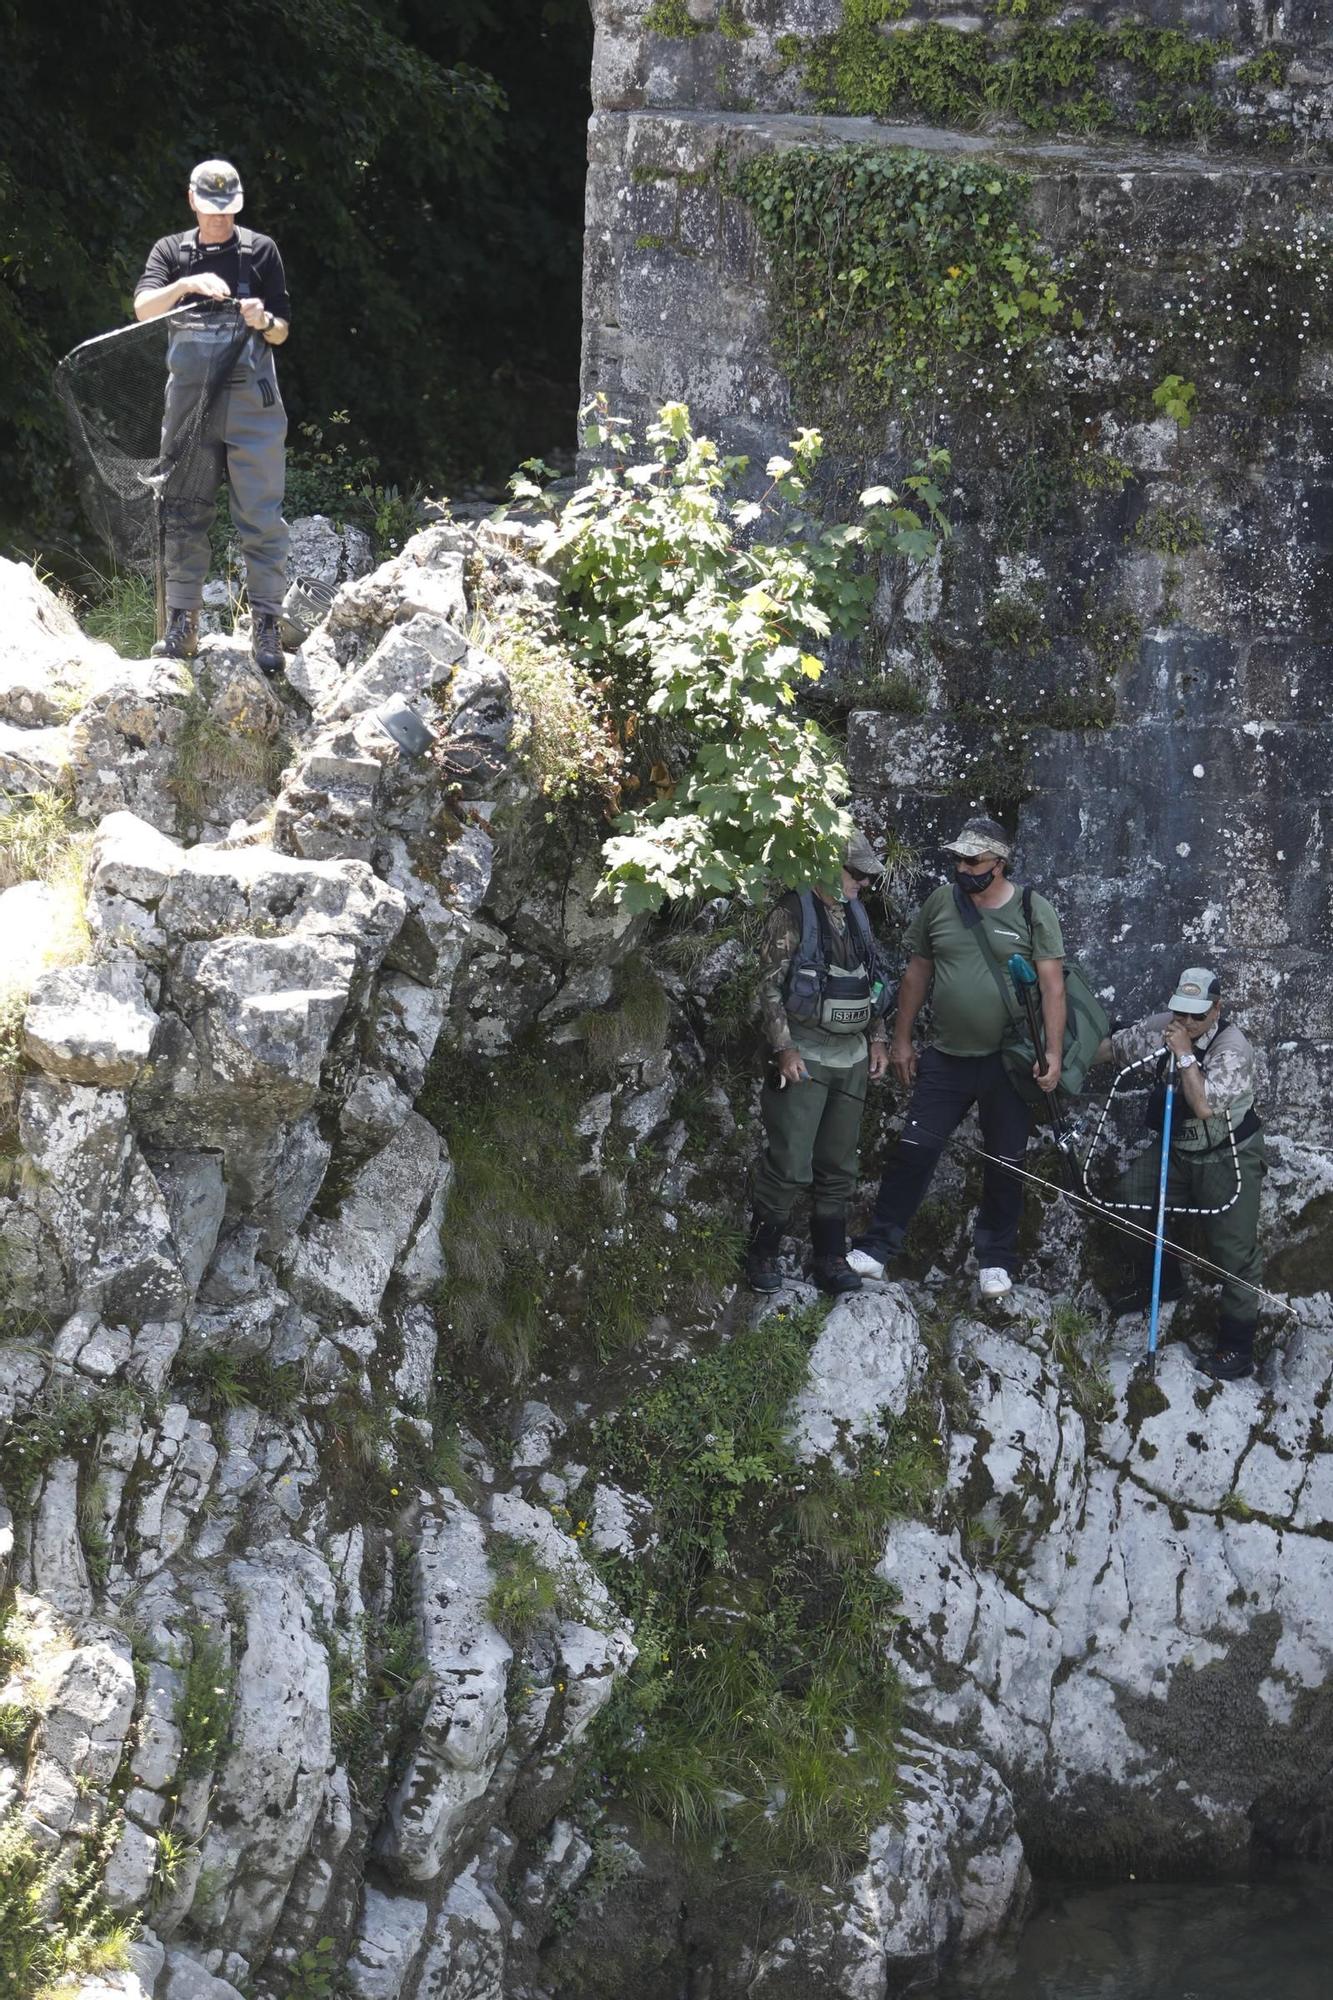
{"x": 213, "y": 266}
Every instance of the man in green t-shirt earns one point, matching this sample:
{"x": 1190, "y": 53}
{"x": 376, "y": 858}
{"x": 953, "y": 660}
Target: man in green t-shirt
{"x": 971, "y": 1013}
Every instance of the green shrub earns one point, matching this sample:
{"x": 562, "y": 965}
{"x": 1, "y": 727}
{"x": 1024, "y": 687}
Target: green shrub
{"x": 54, "y": 1924}
{"x": 204, "y": 1705}
{"x": 702, "y": 633}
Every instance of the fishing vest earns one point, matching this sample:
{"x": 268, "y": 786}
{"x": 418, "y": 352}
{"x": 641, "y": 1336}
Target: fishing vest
{"x": 1203, "y": 1135}
{"x": 839, "y": 1000}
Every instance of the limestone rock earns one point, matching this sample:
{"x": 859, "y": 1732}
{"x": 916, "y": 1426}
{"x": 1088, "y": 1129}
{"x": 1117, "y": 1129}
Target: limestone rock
{"x": 184, "y": 1978}
{"x": 271, "y": 1781}
{"x": 47, "y": 664}
{"x": 82, "y": 1733}
{"x": 435, "y": 1804}
{"x": 388, "y": 1938}
{"x": 345, "y": 1263}
{"x": 59, "y": 1572}
{"x": 868, "y": 1361}
{"x": 33, "y": 760}
{"x": 124, "y": 744}
{"x": 89, "y": 1024}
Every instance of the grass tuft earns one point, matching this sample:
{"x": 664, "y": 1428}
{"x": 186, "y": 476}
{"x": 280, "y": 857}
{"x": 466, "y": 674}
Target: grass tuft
{"x": 761, "y": 1715}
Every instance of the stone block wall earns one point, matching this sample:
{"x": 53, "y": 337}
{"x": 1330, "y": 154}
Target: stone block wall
{"x": 1131, "y": 669}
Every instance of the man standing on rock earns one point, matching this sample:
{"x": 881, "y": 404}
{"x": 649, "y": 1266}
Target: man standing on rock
{"x": 822, "y": 989}
{"x": 215, "y": 261}
{"x": 961, "y": 940}
{"x": 1216, "y": 1165}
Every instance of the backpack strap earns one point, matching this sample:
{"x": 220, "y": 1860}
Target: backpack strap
{"x": 971, "y": 917}
{"x": 858, "y": 925}
{"x": 812, "y": 935}
{"x": 245, "y": 244}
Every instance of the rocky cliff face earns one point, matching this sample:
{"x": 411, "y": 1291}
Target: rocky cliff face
{"x": 383, "y": 1444}
{"x": 299, "y": 1670}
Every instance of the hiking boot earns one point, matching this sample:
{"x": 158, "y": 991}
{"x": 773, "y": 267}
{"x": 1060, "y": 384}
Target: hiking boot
{"x": 1232, "y": 1357}
{"x": 830, "y": 1268}
{"x": 1137, "y": 1298}
{"x": 266, "y": 643}
{"x": 761, "y": 1255}
{"x": 994, "y": 1281}
{"x": 180, "y": 641}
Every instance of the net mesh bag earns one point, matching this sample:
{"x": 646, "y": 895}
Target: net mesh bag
{"x": 146, "y": 410}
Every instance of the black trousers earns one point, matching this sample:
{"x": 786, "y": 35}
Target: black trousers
{"x": 946, "y": 1089}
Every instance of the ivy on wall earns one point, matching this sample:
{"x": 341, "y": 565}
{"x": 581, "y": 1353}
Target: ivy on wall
{"x": 1074, "y": 76}
{"x": 893, "y": 272}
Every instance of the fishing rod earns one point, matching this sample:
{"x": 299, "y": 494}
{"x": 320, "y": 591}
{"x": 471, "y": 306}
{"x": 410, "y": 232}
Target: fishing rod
{"x": 1024, "y": 976}
{"x": 1159, "y": 1233}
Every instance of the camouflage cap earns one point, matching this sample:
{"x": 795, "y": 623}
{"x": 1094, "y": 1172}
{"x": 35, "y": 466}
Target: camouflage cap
{"x": 980, "y": 836}
{"x": 861, "y": 858}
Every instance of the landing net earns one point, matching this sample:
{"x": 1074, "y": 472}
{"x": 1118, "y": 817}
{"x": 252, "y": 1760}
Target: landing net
{"x": 146, "y": 410}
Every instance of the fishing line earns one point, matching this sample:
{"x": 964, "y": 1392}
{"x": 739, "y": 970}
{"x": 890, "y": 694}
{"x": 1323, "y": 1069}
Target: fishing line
{"x": 1112, "y": 1221}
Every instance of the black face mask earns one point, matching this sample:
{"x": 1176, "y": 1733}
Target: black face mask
{"x": 973, "y": 885}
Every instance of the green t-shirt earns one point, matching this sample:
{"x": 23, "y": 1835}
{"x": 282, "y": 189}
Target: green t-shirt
{"x": 968, "y": 1016}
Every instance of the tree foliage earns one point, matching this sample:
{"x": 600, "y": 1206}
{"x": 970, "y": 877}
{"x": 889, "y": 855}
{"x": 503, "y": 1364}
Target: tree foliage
{"x": 388, "y": 146}
{"x": 700, "y": 608}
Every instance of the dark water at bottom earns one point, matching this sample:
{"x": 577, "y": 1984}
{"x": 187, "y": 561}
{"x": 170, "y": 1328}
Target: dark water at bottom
{"x": 1267, "y": 1939}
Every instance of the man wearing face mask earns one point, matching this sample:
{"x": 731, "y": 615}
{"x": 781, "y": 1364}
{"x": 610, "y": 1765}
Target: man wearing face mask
{"x": 1215, "y": 1086}
{"x": 962, "y": 1065}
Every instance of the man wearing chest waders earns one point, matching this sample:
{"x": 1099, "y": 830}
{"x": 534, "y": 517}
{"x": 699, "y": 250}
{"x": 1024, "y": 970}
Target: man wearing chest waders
{"x": 1216, "y": 1164}
{"x": 216, "y": 261}
{"x": 822, "y": 990}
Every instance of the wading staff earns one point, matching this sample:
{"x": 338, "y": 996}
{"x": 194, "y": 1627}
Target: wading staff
{"x": 1024, "y": 977}
{"x": 1161, "y": 1214}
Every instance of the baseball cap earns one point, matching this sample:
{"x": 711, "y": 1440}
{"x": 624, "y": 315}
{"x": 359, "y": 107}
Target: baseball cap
{"x": 216, "y": 185}
{"x": 861, "y": 858}
{"x": 980, "y": 836}
{"x": 1196, "y": 990}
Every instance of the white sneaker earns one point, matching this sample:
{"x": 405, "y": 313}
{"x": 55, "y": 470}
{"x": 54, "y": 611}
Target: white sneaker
{"x": 994, "y": 1282}
{"x": 864, "y": 1264}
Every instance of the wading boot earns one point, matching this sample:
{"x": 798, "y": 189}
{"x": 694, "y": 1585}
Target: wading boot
{"x": 266, "y": 643}
{"x": 830, "y": 1269}
{"x": 761, "y": 1255}
{"x": 1233, "y": 1356}
{"x": 1137, "y": 1297}
{"x": 180, "y": 641}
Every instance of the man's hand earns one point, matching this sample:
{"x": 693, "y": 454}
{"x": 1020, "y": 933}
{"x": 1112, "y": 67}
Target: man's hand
{"x": 254, "y": 312}
{"x": 207, "y": 284}
{"x": 879, "y": 1059}
{"x": 1047, "y": 1078}
{"x": 902, "y": 1061}
{"x": 1177, "y": 1038}
{"x": 791, "y": 1068}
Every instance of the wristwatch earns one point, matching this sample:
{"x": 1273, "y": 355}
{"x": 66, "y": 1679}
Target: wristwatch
{"x": 1186, "y": 1062}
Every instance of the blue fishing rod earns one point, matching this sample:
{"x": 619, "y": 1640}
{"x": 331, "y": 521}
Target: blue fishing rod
{"x": 1160, "y": 1232}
